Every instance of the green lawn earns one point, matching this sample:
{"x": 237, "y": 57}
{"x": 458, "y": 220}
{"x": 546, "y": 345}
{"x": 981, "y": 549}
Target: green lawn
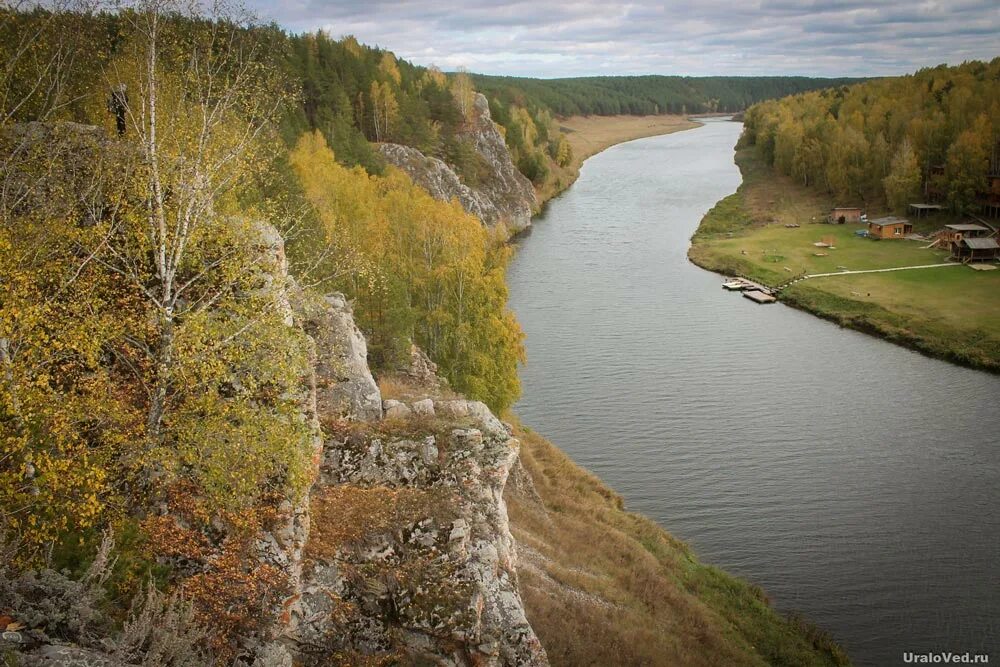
{"x": 950, "y": 312}
{"x": 776, "y": 248}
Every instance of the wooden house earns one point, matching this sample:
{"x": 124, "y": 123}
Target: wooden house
{"x": 983, "y": 249}
{"x": 840, "y": 215}
{"x": 889, "y": 228}
{"x": 955, "y": 233}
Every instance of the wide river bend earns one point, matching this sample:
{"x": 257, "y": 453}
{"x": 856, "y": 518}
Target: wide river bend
{"x": 857, "y": 482}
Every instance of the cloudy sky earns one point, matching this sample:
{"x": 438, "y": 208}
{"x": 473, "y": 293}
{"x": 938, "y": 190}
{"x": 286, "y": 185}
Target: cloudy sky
{"x": 551, "y": 38}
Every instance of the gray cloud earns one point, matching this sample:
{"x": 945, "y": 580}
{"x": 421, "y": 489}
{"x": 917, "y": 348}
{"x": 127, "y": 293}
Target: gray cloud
{"x": 550, "y": 38}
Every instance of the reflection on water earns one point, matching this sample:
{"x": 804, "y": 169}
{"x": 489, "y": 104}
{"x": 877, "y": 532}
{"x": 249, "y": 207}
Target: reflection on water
{"x": 854, "y": 480}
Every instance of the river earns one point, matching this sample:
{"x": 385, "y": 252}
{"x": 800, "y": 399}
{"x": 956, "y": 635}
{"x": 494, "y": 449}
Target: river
{"x": 857, "y": 482}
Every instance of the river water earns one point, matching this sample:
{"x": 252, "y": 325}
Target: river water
{"x": 855, "y": 481}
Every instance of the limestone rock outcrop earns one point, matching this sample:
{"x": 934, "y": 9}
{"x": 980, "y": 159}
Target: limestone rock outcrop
{"x": 506, "y": 196}
{"x": 402, "y": 549}
{"x": 436, "y": 581}
{"x": 344, "y": 383}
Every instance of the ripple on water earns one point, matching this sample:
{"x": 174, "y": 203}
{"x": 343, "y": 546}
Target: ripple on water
{"x": 854, "y": 480}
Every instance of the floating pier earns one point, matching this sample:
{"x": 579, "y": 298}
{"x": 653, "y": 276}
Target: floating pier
{"x": 744, "y": 284}
{"x": 758, "y": 296}
{"x": 751, "y": 290}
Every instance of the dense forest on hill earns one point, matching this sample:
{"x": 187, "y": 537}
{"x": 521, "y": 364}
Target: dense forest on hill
{"x": 645, "y": 95}
{"x": 930, "y": 136}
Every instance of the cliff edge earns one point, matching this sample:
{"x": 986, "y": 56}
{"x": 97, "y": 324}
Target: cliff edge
{"x": 409, "y": 555}
{"x": 505, "y": 197}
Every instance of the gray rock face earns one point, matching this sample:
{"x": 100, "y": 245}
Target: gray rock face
{"x": 439, "y": 585}
{"x": 438, "y": 179}
{"x": 506, "y": 197}
{"x": 344, "y": 383}
{"x": 422, "y": 370}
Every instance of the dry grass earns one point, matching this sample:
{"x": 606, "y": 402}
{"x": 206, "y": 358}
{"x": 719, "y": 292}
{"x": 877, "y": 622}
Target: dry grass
{"x": 401, "y": 387}
{"x": 603, "y": 586}
{"x": 589, "y": 135}
{"x": 348, "y": 514}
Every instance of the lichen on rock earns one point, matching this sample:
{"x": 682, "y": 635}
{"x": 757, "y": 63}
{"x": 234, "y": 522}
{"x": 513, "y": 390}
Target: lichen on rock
{"x": 411, "y": 554}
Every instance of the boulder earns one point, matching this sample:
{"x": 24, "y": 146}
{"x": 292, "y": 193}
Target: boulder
{"x": 424, "y": 408}
{"x": 393, "y": 409}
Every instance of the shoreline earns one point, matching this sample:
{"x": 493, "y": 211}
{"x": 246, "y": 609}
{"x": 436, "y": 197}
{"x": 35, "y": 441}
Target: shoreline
{"x": 591, "y": 135}
{"x": 560, "y": 514}
{"x": 890, "y": 319}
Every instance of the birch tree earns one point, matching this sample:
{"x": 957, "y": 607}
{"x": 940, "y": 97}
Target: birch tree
{"x": 200, "y": 100}
{"x": 464, "y": 93}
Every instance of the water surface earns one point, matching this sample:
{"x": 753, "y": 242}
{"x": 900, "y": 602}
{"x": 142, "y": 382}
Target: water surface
{"x": 855, "y": 481}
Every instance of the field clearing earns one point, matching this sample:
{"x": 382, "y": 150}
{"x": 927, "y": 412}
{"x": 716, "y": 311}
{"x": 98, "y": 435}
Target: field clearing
{"x": 958, "y": 297}
{"x": 589, "y": 135}
{"x": 948, "y": 312}
{"x": 775, "y": 247}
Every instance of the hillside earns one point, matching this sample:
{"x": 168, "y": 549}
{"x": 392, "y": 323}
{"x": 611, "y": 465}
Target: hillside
{"x": 930, "y": 137}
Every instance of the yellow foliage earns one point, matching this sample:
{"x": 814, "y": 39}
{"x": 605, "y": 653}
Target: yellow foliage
{"x": 434, "y": 274}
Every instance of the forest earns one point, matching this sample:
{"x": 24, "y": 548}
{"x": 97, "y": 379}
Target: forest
{"x": 645, "y": 95}
{"x": 930, "y": 136}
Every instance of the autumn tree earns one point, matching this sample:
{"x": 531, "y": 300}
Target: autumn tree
{"x": 384, "y": 109}
{"x": 145, "y": 337}
{"x": 464, "y": 93}
{"x": 968, "y": 161}
{"x": 432, "y": 273}
{"x": 902, "y": 185}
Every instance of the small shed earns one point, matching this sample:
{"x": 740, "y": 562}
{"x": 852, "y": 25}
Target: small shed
{"x": 975, "y": 250}
{"x": 840, "y": 215}
{"x": 957, "y": 232}
{"x": 889, "y": 228}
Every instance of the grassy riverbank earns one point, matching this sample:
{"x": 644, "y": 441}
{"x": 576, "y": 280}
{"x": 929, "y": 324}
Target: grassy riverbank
{"x": 950, "y": 312}
{"x": 604, "y": 586}
{"x": 589, "y": 135}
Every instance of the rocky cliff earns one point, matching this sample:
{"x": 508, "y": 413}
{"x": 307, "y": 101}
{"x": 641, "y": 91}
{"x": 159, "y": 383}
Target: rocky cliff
{"x": 505, "y": 197}
{"x": 402, "y": 550}
{"x": 399, "y": 552}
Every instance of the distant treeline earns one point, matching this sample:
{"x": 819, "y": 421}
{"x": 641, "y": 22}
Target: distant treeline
{"x": 928, "y": 136}
{"x": 644, "y": 95}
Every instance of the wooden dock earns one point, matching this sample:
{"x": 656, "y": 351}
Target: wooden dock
{"x": 758, "y": 296}
{"x": 744, "y": 284}
{"x": 752, "y": 290}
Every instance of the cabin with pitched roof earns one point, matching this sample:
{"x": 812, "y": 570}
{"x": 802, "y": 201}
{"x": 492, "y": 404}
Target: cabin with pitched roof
{"x": 966, "y": 230}
{"x": 889, "y": 228}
